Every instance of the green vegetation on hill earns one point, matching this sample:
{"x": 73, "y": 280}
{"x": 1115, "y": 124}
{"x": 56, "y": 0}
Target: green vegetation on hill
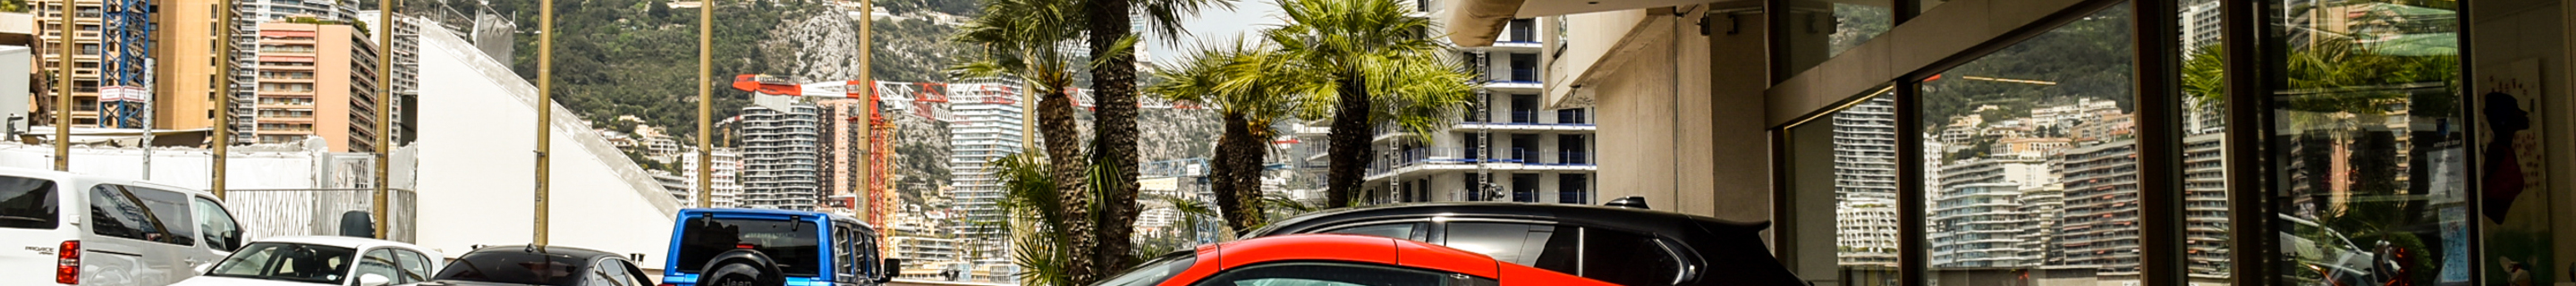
{"x": 639, "y": 57}
{"x": 2089, "y": 58}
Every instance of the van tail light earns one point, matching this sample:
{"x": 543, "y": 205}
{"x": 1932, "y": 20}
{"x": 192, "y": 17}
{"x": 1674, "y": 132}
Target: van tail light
{"x": 67, "y": 265}
{"x": 669, "y": 284}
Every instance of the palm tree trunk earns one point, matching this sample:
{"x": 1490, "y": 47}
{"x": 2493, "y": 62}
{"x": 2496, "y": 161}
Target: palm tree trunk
{"x": 1349, "y": 144}
{"x": 1115, "y": 79}
{"x": 1237, "y": 175}
{"x": 1064, "y": 153}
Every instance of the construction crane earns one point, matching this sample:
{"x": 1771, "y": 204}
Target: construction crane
{"x": 879, "y": 189}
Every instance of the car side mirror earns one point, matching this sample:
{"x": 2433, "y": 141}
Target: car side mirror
{"x": 372, "y": 279}
{"x": 893, "y": 267}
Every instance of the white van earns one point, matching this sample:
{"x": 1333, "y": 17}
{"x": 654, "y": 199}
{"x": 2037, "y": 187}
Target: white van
{"x": 60, "y": 228}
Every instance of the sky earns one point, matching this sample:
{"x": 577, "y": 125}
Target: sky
{"x": 1218, "y": 26}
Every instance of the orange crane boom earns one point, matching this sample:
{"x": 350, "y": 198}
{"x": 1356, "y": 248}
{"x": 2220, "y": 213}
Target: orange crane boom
{"x": 879, "y": 189}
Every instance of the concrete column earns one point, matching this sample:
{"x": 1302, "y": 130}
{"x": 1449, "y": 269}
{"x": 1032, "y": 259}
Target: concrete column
{"x": 1737, "y": 81}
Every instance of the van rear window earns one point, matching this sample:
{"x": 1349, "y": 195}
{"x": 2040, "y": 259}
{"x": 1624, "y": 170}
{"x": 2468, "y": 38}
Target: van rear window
{"x": 792, "y": 243}
{"x": 28, "y": 203}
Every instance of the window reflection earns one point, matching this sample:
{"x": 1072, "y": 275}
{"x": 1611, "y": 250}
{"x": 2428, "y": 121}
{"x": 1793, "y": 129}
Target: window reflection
{"x": 2368, "y": 143}
{"x": 1849, "y": 186}
{"x": 2031, "y": 165}
{"x": 1818, "y": 30}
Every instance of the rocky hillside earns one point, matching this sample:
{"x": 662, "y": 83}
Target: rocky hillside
{"x": 637, "y": 58}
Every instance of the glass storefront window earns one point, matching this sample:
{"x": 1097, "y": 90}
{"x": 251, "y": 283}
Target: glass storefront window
{"x": 2204, "y": 126}
{"x": 2031, "y": 161}
{"x": 1818, "y": 30}
{"x": 2368, "y": 145}
{"x": 1853, "y": 183}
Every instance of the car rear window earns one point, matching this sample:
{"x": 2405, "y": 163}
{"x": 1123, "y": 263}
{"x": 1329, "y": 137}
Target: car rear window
{"x": 791, "y": 243}
{"x": 517, "y": 265}
{"x": 28, "y": 203}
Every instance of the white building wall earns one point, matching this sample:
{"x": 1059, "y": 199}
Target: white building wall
{"x": 476, "y": 140}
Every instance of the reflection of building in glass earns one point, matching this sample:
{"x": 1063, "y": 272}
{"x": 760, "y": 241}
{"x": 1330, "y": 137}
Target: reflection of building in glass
{"x": 1865, "y": 183}
{"x": 1865, "y": 232}
{"x": 1865, "y": 150}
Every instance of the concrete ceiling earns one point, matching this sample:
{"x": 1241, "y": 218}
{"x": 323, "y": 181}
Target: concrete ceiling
{"x": 1538, "y": 8}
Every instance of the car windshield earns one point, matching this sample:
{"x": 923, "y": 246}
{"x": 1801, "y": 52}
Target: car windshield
{"x": 516, "y": 265}
{"x": 1154, "y": 272}
{"x": 287, "y": 262}
{"x": 791, "y": 243}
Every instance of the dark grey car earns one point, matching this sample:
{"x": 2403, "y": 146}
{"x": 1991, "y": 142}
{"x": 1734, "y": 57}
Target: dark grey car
{"x": 1624, "y": 245}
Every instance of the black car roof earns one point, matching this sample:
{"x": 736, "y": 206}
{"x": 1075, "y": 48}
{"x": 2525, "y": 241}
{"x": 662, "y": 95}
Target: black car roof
{"x": 1640, "y": 219}
{"x": 583, "y": 253}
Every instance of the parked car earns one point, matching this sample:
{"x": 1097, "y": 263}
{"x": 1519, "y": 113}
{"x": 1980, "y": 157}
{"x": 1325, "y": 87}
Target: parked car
{"x": 539, "y": 265}
{"x": 767, "y": 247}
{"x": 93, "y": 230}
{"x": 321, "y": 260}
{"x": 1628, "y": 245}
{"x": 1336, "y": 259}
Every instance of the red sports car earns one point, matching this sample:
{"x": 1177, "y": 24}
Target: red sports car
{"x": 1337, "y": 260}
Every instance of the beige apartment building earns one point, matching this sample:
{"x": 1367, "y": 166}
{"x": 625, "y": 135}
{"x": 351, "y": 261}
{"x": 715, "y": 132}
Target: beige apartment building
{"x": 182, "y": 71}
{"x": 316, "y": 80}
{"x": 87, "y": 58}
{"x": 185, "y": 65}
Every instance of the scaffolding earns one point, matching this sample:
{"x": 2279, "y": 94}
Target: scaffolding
{"x": 125, "y": 98}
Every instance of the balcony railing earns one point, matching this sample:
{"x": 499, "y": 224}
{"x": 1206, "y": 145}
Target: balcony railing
{"x": 1453, "y": 155}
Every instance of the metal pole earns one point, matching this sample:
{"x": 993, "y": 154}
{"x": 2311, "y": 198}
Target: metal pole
{"x": 63, "y": 90}
{"x": 706, "y": 103}
{"x": 545, "y": 107}
{"x": 868, "y": 128}
{"x": 877, "y": 174}
{"x": 223, "y": 93}
{"x": 384, "y": 115}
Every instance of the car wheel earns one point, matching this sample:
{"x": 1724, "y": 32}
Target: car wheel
{"x": 735, "y": 280}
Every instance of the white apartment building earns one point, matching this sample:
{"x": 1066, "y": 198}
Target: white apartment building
{"x": 726, "y": 191}
{"x": 1976, "y": 219}
{"x": 1508, "y": 146}
{"x": 987, "y": 127}
{"x": 1866, "y": 229}
{"x": 781, "y": 168}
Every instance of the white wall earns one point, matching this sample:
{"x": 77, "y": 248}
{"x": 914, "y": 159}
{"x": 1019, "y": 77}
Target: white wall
{"x": 176, "y": 167}
{"x": 15, "y": 60}
{"x": 477, "y": 135}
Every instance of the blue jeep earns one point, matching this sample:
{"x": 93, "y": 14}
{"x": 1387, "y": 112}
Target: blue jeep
{"x": 763, "y": 247}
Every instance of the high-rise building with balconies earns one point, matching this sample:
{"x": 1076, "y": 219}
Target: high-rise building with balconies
{"x": 1975, "y": 218}
{"x": 316, "y": 80}
{"x": 2100, "y": 224}
{"x": 781, "y": 151}
{"x": 987, "y": 127}
{"x": 1507, "y": 145}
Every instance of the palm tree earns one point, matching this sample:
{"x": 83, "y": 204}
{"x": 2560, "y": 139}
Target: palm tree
{"x": 1113, "y": 80}
{"x": 1250, "y": 87}
{"x": 1020, "y": 38}
{"x": 1384, "y": 68}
